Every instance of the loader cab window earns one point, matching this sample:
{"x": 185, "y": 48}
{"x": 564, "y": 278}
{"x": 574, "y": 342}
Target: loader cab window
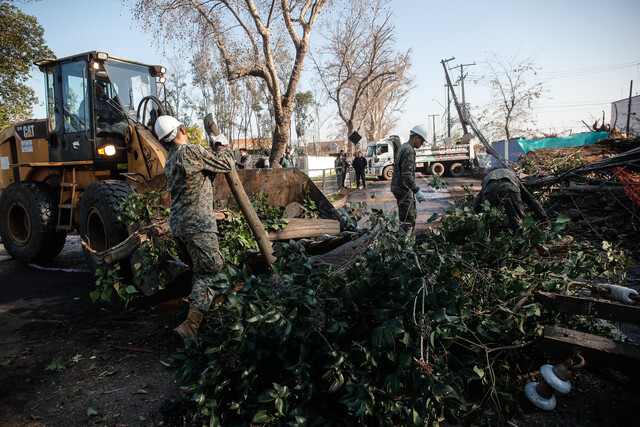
{"x": 110, "y": 117}
{"x": 53, "y": 121}
{"x": 76, "y": 102}
{"x": 131, "y": 83}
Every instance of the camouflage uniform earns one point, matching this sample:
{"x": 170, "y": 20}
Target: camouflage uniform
{"x": 502, "y": 187}
{"x": 190, "y": 169}
{"x": 403, "y": 186}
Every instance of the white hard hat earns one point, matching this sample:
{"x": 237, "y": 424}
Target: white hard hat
{"x": 420, "y": 130}
{"x": 221, "y": 139}
{"x": 166, "y": 128}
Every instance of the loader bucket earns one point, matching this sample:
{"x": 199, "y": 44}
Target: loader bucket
{"x": 282, "y": 186}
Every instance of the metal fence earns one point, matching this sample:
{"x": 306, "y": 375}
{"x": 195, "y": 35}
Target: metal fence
{"x": 328, "y": 181}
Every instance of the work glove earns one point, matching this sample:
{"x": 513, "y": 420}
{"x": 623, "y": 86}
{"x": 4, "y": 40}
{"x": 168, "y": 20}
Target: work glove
{"x": 420, "y": 196}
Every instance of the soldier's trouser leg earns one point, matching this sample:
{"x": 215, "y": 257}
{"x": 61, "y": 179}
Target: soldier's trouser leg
{"x": 206, "y": 262}
{"x": 407, "y": 212}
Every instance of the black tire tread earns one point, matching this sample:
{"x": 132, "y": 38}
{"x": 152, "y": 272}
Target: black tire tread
{"x": 111, "y": 192}
{"x": 52, "y": 240}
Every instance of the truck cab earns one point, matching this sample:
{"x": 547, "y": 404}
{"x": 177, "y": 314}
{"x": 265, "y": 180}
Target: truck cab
{"x": 380, "y": 155}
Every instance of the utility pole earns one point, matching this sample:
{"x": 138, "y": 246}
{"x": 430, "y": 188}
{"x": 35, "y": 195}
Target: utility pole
{"x": 462, "y": 76}
{"x": 453, "y": 95}
{"x": 629, "y": 108}
{"x": 448, "y": 112}
{"x": 433, "y": 119}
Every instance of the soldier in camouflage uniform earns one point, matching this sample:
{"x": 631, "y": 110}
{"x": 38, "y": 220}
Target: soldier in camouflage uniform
{"x": 190, "y": 169}
{"x": 403, "y": 181}
{"x": 502, "y": 187}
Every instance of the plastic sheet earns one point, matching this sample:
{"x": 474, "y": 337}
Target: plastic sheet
{"x": 576, "y": 140}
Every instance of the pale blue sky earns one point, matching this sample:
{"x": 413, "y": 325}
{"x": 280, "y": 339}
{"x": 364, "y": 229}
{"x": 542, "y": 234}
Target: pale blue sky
{"x": 588, "y": 50}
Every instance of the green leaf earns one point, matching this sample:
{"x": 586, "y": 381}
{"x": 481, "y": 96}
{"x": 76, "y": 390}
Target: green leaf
{"x": 478, "y": 370}
{"x": 261, "y": 417}
{"x": 280, "y": 405}
{"x": 91, "y": 411}
{"x": 237, "y": 303}
{"x": 562, "y": 219}
{"x": 442, "y": 389}
{"x": 131, "y": 289}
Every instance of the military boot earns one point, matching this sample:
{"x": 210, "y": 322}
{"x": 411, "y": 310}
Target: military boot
{"x": 189, "y": 328}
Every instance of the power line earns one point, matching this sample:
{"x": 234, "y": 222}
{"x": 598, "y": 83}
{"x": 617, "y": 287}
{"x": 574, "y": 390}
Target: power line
{"x": 571, "y": 73}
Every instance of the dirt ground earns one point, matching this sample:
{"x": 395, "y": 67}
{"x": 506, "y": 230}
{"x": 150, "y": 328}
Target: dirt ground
{"x": 65, "y": 361}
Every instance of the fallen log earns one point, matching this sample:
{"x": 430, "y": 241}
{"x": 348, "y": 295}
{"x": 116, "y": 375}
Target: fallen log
{"x": 596, "y": 350}
{"x": 299, "y": 228}
{"x": 602, "y": 309}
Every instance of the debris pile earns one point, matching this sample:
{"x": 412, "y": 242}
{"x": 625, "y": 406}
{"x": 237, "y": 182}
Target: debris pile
{"x": 599, "y": 193}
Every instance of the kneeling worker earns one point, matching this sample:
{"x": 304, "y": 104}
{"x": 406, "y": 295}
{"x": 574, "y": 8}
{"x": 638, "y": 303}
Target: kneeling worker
{"x": 503, "y": 187}
{"x": 190, "y": 169}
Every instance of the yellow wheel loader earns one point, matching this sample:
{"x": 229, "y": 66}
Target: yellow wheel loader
{"x": 71, "y": 170}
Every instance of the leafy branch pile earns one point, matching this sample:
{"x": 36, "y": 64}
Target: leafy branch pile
{"x": 140, "y": 210}
{"x": 550, "y": 165}
{"x": 409, "y": 333}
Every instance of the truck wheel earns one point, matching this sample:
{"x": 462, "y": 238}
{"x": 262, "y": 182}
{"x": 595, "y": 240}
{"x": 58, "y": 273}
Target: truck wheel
{"x": 29, "y": 214}
{"x": 387, "y": 173}
{"x": 99, "y": 225}
{"x": 456, "y": 169}
{"x": 436, "y": 169}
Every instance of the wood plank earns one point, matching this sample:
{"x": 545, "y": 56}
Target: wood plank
{"x": 596, "y": 350}
{"x": 299, "y": 228}
{"x": 600, "y": 308}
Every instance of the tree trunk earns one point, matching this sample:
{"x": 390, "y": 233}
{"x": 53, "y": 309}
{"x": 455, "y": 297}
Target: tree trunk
{"x": 280, "y": 140}
{"x": 350, "y": 145}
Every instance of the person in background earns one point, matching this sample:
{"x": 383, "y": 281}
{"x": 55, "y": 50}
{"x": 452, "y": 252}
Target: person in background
{"x": 263, "y": 161}
{"x": 190, "y": 169}
{"x": 403, "y": 182}
{"x": 288, "y": 161}
{"x": 245, "y": 160}
{"x": 342, "y": 165}
{"x": 360, "y": 165}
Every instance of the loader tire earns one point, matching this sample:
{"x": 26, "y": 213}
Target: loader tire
{"x": 28, "y": 218}
{"x": 99, "y": 224}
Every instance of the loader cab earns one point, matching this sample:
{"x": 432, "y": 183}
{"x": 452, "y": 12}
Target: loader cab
{"x": 91, "y": 99}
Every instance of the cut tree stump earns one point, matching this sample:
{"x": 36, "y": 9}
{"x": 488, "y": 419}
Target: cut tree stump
{"x": 299, "y": 228}
{"x": 293, "y": 210}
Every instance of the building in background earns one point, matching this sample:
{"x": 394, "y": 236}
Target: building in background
{"x": 620, "y": 112}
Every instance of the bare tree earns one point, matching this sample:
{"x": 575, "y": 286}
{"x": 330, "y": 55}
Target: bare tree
{"x": 514, "y": 87}
{"x": 253, "y": 38}
{"x": 358, "y": 64}
{"x": 385, "y": 100}
{"x": 301, "y": 109}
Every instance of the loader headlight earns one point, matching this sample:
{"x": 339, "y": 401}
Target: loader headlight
{"x": 107, "y": 150}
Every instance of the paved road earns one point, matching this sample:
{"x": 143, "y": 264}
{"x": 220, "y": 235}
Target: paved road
{"x": 378, "y": 195}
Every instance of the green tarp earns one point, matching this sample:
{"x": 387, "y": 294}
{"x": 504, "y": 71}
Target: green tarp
{"x": 576, "y": 140}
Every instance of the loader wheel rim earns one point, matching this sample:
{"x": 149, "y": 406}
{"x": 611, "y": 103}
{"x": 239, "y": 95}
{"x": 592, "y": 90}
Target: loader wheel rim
{"x": 19, "y": 223}
{"x": 96, "y": 231}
